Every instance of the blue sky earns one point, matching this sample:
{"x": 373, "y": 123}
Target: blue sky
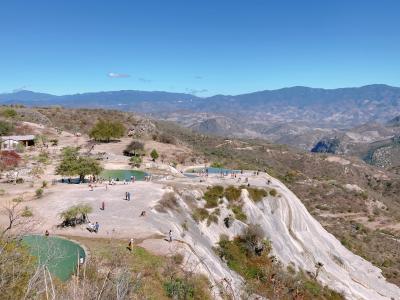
{"x": 198, "y": 46}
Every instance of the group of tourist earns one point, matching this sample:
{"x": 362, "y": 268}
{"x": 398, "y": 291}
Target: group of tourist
{"x": 93, "y": 227}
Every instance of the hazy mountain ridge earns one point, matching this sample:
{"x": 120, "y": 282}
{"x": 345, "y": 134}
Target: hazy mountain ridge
{"x": 328, "y": 107}
{"x": 297, "y": 116}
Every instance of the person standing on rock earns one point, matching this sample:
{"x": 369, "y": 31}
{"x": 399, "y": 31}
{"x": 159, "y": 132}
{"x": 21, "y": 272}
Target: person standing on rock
{"x": 170, "y": 236}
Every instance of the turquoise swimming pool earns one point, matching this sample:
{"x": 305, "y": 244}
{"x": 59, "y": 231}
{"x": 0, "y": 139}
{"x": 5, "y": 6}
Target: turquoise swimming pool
{"x": 122, "y": 174}
{"x": 60, "y": 255}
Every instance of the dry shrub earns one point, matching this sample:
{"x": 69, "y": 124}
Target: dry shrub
{"x": 200, "y": 214}
{"x": 168, "y": 201}
{"x": 166, "y": 138}
{"x": 232, "y": 193}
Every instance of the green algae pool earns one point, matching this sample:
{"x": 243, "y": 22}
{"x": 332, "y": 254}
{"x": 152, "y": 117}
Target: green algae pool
{"x": 60, "y": 255}
{"x": 123, "y": 174}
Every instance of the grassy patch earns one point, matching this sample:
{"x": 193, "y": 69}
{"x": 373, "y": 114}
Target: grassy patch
{"x": 160, "y": 277}
{"x": 27, "y": 213}
{"x": 212, "y": 195}
{"x": 232, "y": 193}
{"x": 257, "y": 194}
{"x": 273, "y": 192}
{"x": 261, "y": 272}
{"x": 239, "y": 214}
{"x": 200, "y": 214}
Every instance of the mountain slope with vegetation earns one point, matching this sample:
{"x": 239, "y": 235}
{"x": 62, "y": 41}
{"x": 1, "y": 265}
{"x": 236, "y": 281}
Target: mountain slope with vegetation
{"x": 355, "y": 202}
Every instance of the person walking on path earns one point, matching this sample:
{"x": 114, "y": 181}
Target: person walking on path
{"x": 130, "y": 245}
{"x": 170, "y": 236}
{"x": 129, "y": 196}
{"x": 96, "y": 227}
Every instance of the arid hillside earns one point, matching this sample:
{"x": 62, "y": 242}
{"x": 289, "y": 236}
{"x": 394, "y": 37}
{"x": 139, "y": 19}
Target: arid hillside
{"x": 356, "y": 202}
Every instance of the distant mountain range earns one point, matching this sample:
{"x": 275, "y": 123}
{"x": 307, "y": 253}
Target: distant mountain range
{"x": 298, "y": 116}
{"x": 339, "y": 107}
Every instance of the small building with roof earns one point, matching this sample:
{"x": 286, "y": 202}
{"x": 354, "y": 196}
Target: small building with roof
{"x": 12, "y": 141}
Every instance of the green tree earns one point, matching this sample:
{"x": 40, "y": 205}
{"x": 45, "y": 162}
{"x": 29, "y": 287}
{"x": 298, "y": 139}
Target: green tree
{"x": 68, "y": 165}
{"x": 76, "y": 214}
{"x": 136, "y": 161}
{"x": 72, "y": 163}
{"x": 88, "y": 166}
{"x": 105, "y": 130}
{"x": 154, "y": 154}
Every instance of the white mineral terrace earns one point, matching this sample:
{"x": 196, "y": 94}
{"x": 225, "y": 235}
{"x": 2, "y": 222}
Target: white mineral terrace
{"x": 297, "y": 238}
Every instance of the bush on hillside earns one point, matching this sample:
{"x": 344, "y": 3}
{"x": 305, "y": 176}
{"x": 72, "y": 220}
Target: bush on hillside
{"x": 9, "y": 112}
{"x": 232, "y": 193}
{"x": 106, "y": 130}
{"x": 154, "y": 154}
{"x": 135, "y": 148}
{"x": 273, "y": 192}
{"x": 212, "y": 195}
{"x": 200, "y": 214}
{"x": 136, "y": 161}
{"x": 257, "y": 194}
{"x": 5, "y": 128}
{"x": 168, "y": 201}
{"x": 164, "y": 138}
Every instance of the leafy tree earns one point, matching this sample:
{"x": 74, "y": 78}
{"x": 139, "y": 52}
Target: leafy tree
{"x": 5, "y": 127}
{"x": 68, "y": 165}
{"x": 88, "y": 166}
{"x": 154, "y": 154}
{"x": 105, "y": 130}
{"x": 76, "y": 214}
{"x": 72, "y": 163}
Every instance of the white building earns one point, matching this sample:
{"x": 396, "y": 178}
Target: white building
{"x": 11, "y": 142}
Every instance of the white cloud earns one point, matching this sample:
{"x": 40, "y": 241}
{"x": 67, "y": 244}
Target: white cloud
{"x": 117, "y": 75}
